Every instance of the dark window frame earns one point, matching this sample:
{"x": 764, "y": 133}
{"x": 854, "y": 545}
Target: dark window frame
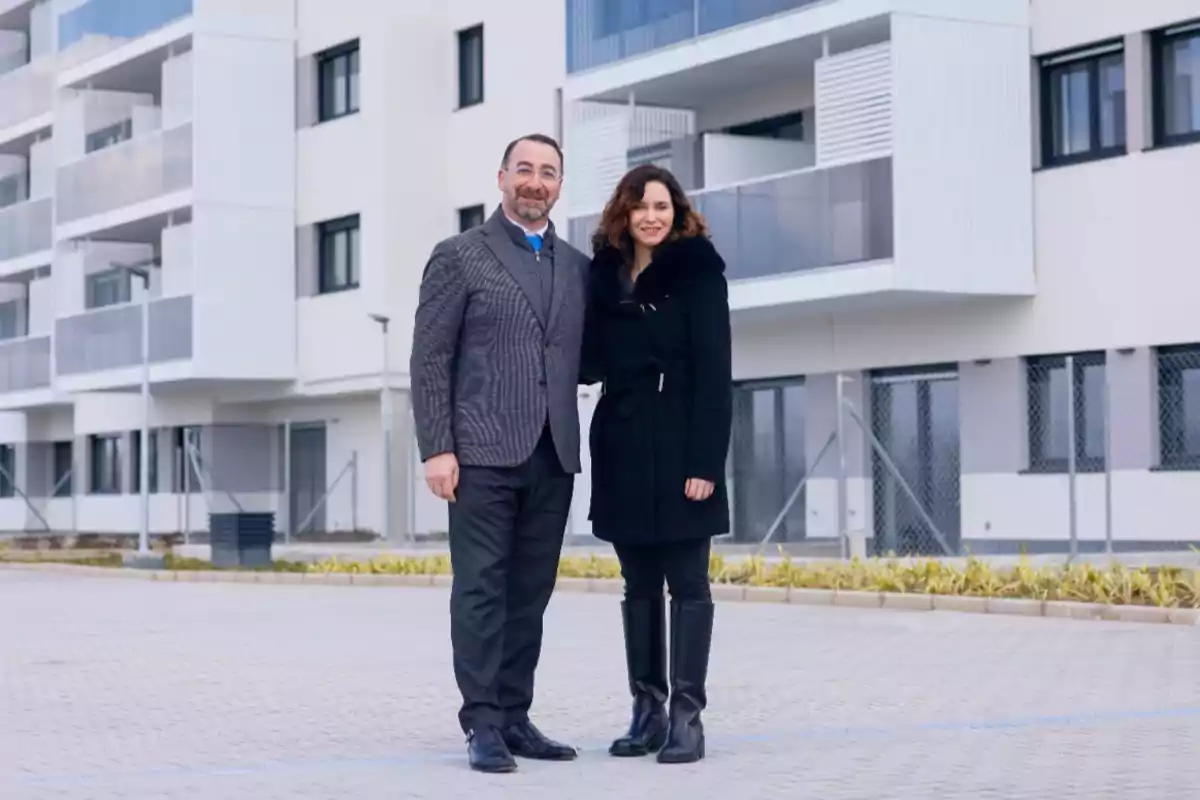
{"x": 8, "y": 478}
{"x": 135, "y": 463}
{"x": 1090, "y": 56}
{"x": 1159, "y": 42}
{"x": 471, "y": 217}
{"x": 193, "y": 484}
{"x": 467, "y": 38}
{"x": 790, "y": 126}
{"x": 1037, "y": 371}
{"x": 347, "y": 53}
{"x": 100, "y": 454}
{"x": 344, "y": 231}
{"x": 63, "y": 468}
{"x": 118, "y": 276}
{"x": 108, "y": 136}
{"x": 1170, "y": 365}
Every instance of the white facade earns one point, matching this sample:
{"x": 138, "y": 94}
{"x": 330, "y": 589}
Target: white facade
{"x": 191, "y": 137}
{"x": 933, "y": 282}
{"x": 874, "y": 172}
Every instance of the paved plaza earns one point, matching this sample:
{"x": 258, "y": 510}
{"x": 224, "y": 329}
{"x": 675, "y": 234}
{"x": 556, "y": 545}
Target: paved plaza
{"x": 122, "y": 688}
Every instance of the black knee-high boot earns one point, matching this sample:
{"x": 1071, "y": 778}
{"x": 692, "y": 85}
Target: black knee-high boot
{"x": 691, "y": 642}
{"x": 646, "y": 660}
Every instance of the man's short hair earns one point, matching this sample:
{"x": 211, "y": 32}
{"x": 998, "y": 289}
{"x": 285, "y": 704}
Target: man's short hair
{"x": 540, "y": 138}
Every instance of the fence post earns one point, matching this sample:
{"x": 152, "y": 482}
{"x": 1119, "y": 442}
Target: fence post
{"x": 286, "y": 505}
{"x": 354, "y": 491}
{"x": 1072, "y": 510}
{"x": 840, "y": 434}
{"x": 1108, "y": 520}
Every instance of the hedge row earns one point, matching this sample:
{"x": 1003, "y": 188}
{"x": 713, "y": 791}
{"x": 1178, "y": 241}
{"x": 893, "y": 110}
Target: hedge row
{"x": 1112, "y": 584}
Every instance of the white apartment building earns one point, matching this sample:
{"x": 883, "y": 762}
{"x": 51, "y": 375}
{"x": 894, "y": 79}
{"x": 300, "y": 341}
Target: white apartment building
{"x": 938, "y": 199}
{"x": 941, "y": 200}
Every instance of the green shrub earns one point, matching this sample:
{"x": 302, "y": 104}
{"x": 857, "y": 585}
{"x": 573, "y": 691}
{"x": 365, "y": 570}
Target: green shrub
{"x": 1113, "y": 584}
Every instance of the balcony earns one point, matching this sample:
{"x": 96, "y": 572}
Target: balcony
{"x": 133, "y": 172}
{"x": 26, "y": 93}
{"x": 111, "y": 338}
{"x": 101, "y": 26}
{"x": 851, "y": 165}
{"x": 603, "y": 31}
{"x": 26, "y": 228}
{"x": 25, "y": 364}
{"x": 799, "y": 221}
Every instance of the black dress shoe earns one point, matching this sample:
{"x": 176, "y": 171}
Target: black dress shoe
{"x": 487, "y": 751}
{"x": 526, "y": 741}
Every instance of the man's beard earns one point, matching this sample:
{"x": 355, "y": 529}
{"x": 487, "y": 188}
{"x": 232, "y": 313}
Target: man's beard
{"x": 526, "y": 210}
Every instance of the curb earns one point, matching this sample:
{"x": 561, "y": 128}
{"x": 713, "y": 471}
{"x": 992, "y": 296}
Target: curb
{"x": 721, "y": 592}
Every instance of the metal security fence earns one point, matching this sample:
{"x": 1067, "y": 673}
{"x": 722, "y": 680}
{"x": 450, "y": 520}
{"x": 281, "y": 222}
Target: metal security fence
{"x": 1178, "y": 377}
{"x": 888, "y": 476}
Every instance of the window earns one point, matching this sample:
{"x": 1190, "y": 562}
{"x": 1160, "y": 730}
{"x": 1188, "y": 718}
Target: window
{"x": 1177, "y": 85}
{"x": 1049, "y": 409}
{"x": 767, "y": 459}
{"x": 135, "y": 462}
{"x": 1179, "y": 406}
{"x": 187, "y": 442}
{"x": 338, "y": 254}
{"x": 108, "y": 288}
{"x": 785, "y": 126}
{"x": 1083, "y": 105}
{"x": 8, "y": 470}
{"x": 470, "y": 67}
{"x": 12, "y": 318}
{"x": 105, "y": 451}
{"x": 12, "y": 190}
{"x": 64, "y": 467}
{"x": 337, "y": 77}
{"x": 470, "y": 217}
{"x": 108, "y": 136}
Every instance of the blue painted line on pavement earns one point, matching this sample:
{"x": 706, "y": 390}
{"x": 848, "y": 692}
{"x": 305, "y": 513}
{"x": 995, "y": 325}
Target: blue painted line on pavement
{"x": 425, "y": 758}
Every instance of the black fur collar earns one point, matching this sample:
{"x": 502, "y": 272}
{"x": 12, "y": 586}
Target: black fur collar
{"x": 676, "y": 265}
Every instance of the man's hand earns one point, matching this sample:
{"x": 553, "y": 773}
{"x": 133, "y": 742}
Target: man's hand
{"x": 698, "y": 489}
{"x": 441, "y": 473}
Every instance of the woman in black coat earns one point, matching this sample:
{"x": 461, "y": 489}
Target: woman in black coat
{"x": 657, "y": 336}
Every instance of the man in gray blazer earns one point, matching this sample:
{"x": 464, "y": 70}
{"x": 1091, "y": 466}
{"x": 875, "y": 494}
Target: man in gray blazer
{"x": 495, "y": 366}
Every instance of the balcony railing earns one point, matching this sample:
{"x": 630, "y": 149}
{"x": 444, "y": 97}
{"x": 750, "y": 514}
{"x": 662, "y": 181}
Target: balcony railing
{"x": 124, "y": 174}
{"x": 794, "y": 222}
{"x": 603, "y": 31}
{"x": 100, "y": 26}
{"x": 26, "y": 228}
{"x": 111, "y": 338}
{"x": 26, "y": 92}
{"x": 25, "y": 364}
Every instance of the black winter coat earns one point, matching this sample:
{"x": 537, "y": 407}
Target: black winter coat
{"x": 662, "y": 352}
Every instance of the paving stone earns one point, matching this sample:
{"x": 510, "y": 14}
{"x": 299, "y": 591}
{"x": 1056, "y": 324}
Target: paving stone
{"x": 159, "y": 689}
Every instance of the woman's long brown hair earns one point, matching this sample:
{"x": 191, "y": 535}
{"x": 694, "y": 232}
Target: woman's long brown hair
{"x": 613, "y": 229}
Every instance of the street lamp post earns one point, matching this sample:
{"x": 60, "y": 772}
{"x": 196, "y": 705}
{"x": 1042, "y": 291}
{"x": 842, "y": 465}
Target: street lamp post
{"x": 385, "y": 412}
{"x": 141, "y": 269}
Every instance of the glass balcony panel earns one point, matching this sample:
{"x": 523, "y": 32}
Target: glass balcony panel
{"x": 100, "y": 26}
{"x": 26, "y": 228}
{"x": 604, "y": 31}
{"x": 125, "y": 174}
{"x": 24, "y": 364}
{"x": 795, "y": 222}
{"x": 111, "y": 338}
{"x": 25, "y": 93}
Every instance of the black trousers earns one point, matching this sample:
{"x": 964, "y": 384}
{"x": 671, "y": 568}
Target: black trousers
{"x": 683, "y": 565}
{"x": 506, "y": 534}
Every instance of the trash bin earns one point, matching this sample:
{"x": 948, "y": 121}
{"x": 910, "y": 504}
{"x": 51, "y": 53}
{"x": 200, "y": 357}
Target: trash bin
{"x": 241, "y": 539}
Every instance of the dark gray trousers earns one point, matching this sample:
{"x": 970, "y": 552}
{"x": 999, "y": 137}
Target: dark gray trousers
{"x": 506, "y": 535}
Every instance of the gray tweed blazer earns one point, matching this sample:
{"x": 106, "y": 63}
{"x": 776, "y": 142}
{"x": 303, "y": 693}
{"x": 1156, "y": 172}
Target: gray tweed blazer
{"x": 489, "y": 366}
